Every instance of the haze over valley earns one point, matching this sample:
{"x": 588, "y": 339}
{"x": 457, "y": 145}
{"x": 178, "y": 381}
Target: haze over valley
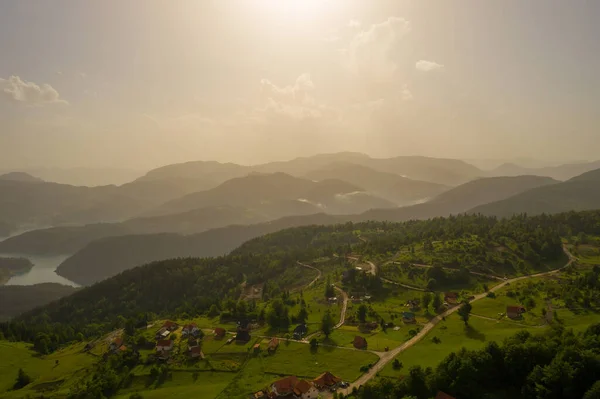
{"x": 299, "y": 199}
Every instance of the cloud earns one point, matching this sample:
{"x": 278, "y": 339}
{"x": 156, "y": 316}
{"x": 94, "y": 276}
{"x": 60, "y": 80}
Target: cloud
{"x": 22, "y": 91}
{"x": 426, "y": 66}
{"x": 406, "y": 94}
{"x": 293, "y": 102}
{"x": 373, "y": 53}
{"x": 353, "y": 23}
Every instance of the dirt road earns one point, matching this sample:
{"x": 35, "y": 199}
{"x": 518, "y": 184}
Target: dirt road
{"x": 319, "y": 274}
{"x": 389, "y": 356}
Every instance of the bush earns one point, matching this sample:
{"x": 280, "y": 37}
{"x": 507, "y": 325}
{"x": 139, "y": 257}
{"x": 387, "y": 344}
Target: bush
{"x": 397, "y": 364}
{"x": 314, "y": 343}
{"x": 436, "y": 340}
{"x": 491, "y": 295}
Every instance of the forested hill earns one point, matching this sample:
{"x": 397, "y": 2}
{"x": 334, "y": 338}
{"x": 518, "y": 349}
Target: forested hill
{"x": 191, "y": 286}
{"x": 108, "y": 256}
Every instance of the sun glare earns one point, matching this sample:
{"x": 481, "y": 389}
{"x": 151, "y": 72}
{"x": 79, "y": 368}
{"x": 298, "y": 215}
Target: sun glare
{"x": 294, "y": 9}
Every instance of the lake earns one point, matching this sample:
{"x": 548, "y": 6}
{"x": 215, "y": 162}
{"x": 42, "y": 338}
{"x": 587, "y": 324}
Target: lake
{"x": 43, "y": 270}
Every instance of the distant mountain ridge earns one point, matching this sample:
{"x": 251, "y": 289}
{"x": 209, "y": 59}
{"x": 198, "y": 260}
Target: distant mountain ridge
{"x": 395, "y": 188}
{"x": 560, "y": 172}
{"x": 105, "y": 257}
{"x": 577, "y": 194}
{"x": 20, "y": 176}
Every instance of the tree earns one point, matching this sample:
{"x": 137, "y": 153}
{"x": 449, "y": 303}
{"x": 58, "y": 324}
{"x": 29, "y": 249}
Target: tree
{"x": 436, "y": 301}
{"x": 426, "y": 299}
{"x": 302, "y": 315}
{"x": 327, "y": 324}
{"x": 241, "y": 309}
{"x": 397, "y": 364}
{"x": 329, "y": 290}
{"x": 464, "y": 311}
{"x": 22, "y": 380}
{"x": 362, "y": 313}
{"x": 314, "y": 343}
{"x": 213, "y": 311}
{"x": 431, "y": 284}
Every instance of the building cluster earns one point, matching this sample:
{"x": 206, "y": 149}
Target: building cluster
{"x": 294, "y": 387}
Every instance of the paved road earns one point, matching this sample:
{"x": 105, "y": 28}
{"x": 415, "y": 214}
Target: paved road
{"x": 389, "y": 356}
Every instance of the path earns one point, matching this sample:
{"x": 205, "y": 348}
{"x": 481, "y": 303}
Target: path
{"x": 319, "y": 273}
{"x": 389, "y": 356}
{"x": 344, "y": 302}
{"x": 490, "y": 276}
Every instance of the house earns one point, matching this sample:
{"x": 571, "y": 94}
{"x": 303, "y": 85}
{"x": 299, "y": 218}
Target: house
{"x": 413, "y": 303}
{"x": 273, "y": 344}
{"x": 326, "y": 381}
{"x": 360, "y": 342}
{"x": 170, "y": 325}
{"x": 515, "y": 312}
{"x": 451, "y": 297}
{"x": 284, "y": 386}
{"x": 443, "y": 395}
{"x": 164, "y": 345}
{"x": 219, "y": 332}
{"x": 300, "y": 331}
{"x": 243, "y": 334}
{"x": 163, "y": 355}
{"x": 408, "y": 317}
{"x": 122, "y": 348}
{"x": 163, "y": 333}
{"x": 192, "y": 342}
{"x": 196, "y": 353}
{"x": 292, "y": 386}
{"x": 256, "y": 348}
{"x": 305, "y": 390}
{"x": 190, "y": 329}
{"x": 115, "y": 344}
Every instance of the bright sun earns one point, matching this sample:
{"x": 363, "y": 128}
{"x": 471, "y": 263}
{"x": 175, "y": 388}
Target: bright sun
{"x": 294, "y": 9}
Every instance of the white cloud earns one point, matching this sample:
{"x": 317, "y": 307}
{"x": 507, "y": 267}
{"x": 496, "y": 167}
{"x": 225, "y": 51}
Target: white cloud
{"x": 22, "y": 91}
{"x": 373, "y": 54}
{"x": 406, "y": 94}
{"x": 426, "y": 66}
{"x": 289, "y": 102}
{"x": 353, "y": 23}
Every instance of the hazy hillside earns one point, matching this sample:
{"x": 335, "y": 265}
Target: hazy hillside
{"x": 579, "y": 193}
{"x": 70, "y": 239}
{"x": 449, "y": 172}
{"x": 109, "y": 256}
{"x": 105, "y": 257}
{"x": 257, "y": 188}
{"x": 20, "y": 176}
{"x": 561, "y": 172}
{"x": 17, "y": 299}
{"x": 395, "y": 188}
{"x": 463, "y": 198}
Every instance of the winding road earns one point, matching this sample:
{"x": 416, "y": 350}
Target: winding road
{"x": 386, "y": 357}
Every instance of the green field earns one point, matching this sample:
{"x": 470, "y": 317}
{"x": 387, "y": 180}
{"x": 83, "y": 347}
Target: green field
{"x": 43, "y": 370}
{"x": 297, "y": 359}
{"x": 453, "y": 335}
{"x": 377, "y": 340}
{"x": 182, "y": 385}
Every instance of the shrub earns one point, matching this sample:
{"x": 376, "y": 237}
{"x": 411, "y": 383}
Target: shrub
{"x": 491, "y": 295}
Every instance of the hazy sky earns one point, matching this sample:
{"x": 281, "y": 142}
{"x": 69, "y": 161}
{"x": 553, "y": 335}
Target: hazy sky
{"x": 143, "y": 83}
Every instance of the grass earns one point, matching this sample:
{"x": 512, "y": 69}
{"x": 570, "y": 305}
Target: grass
{"x": 43, "y": 370}
{"x": 182, "y": 386}
{"x": 453, "y": 335}
{"x": 292, "y": 358}
{"x": 377, "y": 340}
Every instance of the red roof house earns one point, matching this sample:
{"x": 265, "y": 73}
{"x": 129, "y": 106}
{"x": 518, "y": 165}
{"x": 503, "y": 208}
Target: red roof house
{"x": 326, "y": 380}
{"x": 220, "y": 332}
{"x": 514, "y": 312}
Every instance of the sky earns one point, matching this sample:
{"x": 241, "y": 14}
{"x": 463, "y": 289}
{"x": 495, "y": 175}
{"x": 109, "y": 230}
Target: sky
{"x": 139, "y": 84}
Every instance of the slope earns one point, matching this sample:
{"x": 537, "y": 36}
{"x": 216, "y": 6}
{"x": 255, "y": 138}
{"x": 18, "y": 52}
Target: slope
{"x": 395, "y": 188}
{"x": 109, "y": 256}
{"x": 580, "y": 193}
{"x": 17, "y": 299}
{"x": 560, "y": 172}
